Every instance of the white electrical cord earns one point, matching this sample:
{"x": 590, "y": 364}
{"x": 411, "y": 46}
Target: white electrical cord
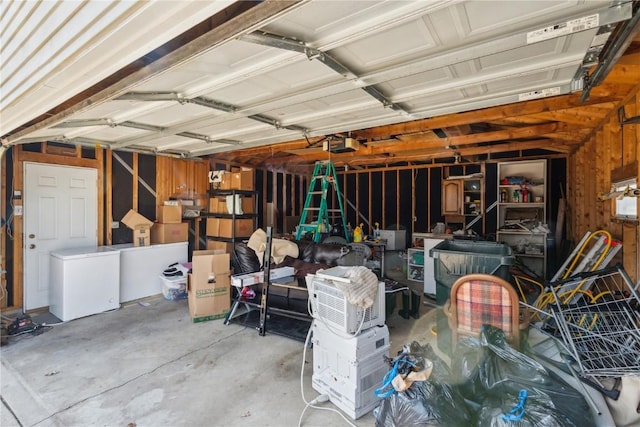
{"x": 320, "y": 399}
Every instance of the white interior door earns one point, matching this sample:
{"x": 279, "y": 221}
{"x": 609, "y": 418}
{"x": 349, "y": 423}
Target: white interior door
{"x": 60, "y": 211}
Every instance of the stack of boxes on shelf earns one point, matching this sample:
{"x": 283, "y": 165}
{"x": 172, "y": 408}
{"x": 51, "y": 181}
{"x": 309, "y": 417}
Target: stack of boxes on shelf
{"x": 231, "y": 213}
{"x": 349, "y": 343}
{"x": 169, "y": 228}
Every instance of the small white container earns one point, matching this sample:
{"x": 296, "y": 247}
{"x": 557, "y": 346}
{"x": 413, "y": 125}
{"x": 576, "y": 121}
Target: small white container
{"x": 174, "y": 288}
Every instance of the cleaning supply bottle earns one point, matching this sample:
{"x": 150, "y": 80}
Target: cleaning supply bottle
{"x": 357, "y": 234}
{"x": 376, "y": 232}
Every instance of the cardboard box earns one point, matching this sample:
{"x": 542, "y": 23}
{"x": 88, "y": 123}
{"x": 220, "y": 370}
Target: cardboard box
{"x": 224, "y": 227}
{"x": 225, "y": 180}
{"x": 214, "y": 205}
{"x": 242, "y": 179}
{"x": 209, "y": 261}
{"x": 243, "y": 227}
{"x": 213, "y": 227}
{"x": 133, "y": 219}
{"x": 248, "y": 205}
{"x": 170, "y": 233}
{"x": 209, "y": 286}
{"x": 208, "y": 299}
{"x": 170, "y": 214}
{"x": 247, "y": 279}
{"x": 219, "y": 205}
{"x": 279, "y": 273}
{"x": 142, "y": 236}
{"x": 140, "y": 226}
{"x": 216, "y": 245}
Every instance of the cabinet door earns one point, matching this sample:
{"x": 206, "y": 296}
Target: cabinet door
{"x": 452, "y": 197}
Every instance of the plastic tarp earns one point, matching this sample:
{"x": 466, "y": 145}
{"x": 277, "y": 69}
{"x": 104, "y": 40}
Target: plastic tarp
{"x": 485, "y": 386}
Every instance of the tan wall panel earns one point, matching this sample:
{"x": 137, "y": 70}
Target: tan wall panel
{"x": 589, "y": 174}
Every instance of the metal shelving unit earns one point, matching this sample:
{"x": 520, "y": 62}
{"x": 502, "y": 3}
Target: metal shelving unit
{"x": 415, "y": 264}
{"x": 522, "y": 198}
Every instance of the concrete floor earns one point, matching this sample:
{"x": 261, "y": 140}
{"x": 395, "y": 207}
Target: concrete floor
{"x": 151, "y": 366}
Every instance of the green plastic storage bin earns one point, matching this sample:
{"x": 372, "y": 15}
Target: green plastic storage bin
{"x": 456, "y": 258}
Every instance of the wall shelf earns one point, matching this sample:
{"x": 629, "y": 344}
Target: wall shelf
{"x": 519, "y": 221}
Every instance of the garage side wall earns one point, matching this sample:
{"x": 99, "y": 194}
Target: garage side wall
{"x": 611, "y": 150}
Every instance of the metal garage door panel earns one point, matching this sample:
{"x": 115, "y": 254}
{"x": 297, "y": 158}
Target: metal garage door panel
{"x": 73, "y": 47}
{"x": 175, "y": 112}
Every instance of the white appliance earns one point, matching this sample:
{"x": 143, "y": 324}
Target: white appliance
{"x": 141, "y": 267}
{"x": 84, "y": 281}
{"x": 430, "y": 241}
{"x": 396, "y": 239}
{"x": 330, "y": 304}
{"x": 350, "y": 369}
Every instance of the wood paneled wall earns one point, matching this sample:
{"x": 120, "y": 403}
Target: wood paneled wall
{"x": 612, "y": 147}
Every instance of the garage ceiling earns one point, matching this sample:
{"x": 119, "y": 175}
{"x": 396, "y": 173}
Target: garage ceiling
{"x": 314, "y": 73}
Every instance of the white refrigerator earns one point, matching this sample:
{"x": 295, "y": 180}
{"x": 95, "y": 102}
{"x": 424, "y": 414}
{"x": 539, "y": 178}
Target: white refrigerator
{"x": 84, "y": 281}
{"x": 142, "y": 266}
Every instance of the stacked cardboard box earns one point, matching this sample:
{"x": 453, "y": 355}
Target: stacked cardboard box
{"x": 237, "y": 179}
{"x": 169, "y": 228}
{"x": 141, "y": 228}
{"x": 219, "y": 205}
{"x": 209, "y": 286}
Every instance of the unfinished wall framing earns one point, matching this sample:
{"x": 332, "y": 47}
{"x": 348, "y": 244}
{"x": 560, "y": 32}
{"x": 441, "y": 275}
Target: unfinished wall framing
{"x": 612, "y": 147}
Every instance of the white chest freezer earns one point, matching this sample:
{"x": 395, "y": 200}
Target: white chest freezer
{"x": 142, "y": 266}
{"x": 84, "y": 281}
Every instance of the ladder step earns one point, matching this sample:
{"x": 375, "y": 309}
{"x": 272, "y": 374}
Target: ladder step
{"x": 316, "y": 192}
{"x": 308, "y": 226}
{"x": 311, "y": 209}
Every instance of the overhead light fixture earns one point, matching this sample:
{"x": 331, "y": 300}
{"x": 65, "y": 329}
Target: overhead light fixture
{"x": 343, "y": 145}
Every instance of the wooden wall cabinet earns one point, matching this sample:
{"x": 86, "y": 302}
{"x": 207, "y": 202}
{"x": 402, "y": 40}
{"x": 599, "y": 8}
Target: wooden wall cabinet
{"x": 462, "y": 200}
{"x": 452, "y": 197}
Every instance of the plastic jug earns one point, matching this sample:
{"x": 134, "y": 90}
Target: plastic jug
{"x": 357, "y": 234}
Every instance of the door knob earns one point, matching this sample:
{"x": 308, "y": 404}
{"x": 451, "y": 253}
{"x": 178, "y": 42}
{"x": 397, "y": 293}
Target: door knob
{"x": 32, "y": 246}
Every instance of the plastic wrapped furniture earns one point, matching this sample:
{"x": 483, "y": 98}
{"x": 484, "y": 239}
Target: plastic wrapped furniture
{"x": 483, "y": 299}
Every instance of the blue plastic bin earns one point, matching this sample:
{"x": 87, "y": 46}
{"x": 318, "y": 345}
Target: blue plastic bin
{"x": 456, "y": 258}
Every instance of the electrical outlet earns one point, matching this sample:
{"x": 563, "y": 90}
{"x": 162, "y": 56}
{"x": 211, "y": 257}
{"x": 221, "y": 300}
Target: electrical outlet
{"x": 17, "y": 210}
{"x": 115, "y": 224}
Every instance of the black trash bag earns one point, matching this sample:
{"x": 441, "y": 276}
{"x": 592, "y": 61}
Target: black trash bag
{"x": 537, "y": 410}
{"x": 425, "y": 403}
{"x": 441, "y": 372}
{"x": 244, "y": 259}
{"x": 502, "y": 371}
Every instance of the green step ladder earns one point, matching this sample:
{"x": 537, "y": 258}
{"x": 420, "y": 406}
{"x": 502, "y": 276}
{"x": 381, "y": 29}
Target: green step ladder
{"x": 316, "y": 219}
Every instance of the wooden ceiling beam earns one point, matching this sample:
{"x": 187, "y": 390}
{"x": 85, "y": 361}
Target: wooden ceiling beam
{"x": 500, "y": 135}
{"x": 487, "y": 114}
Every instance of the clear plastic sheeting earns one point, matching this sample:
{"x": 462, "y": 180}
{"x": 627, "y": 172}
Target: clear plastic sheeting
{"x": 489, "y": 384}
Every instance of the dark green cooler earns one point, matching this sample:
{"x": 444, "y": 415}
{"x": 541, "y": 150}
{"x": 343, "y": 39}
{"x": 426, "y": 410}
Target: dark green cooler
{"x": 456, "y": 258}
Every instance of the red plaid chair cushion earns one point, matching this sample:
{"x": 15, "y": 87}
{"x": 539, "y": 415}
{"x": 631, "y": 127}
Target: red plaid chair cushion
{"x": 481, "y": 303}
